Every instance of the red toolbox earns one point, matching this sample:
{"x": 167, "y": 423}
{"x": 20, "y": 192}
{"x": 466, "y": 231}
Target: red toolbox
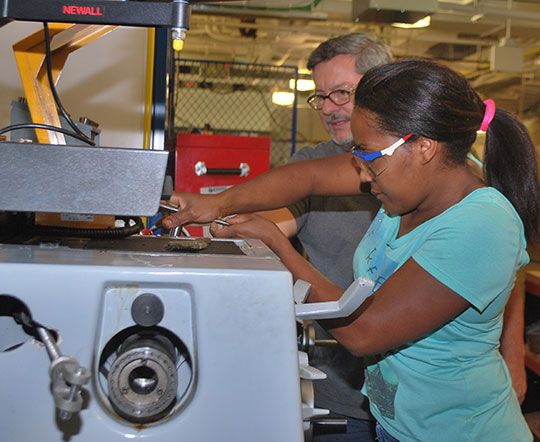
{"x": 211, "y": 163}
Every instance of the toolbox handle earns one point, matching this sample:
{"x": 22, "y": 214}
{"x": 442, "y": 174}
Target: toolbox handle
{"x": 201, "y": 169}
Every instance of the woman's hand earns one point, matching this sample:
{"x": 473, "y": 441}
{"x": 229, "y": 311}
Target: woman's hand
{"x": 250, "y": 226}
{"x": 193, "y": 207}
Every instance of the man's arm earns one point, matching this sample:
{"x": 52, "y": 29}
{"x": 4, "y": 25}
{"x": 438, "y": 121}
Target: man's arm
{"x": 512, "y": 340}
{"x": 284, "y": 219}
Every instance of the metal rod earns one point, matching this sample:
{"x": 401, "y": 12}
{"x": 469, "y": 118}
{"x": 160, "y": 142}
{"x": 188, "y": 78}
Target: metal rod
{"x": 48, "y": 340}
{"x": 175, "y": 231}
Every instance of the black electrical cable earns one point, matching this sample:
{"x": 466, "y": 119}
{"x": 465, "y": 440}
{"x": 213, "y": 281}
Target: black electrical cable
{"x": 74, "y": 232}
{"x": 42, "y": 126}
{"x": 53, "y": 88}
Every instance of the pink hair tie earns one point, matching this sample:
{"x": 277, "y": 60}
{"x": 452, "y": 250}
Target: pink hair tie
{"x": 489, "y": 113}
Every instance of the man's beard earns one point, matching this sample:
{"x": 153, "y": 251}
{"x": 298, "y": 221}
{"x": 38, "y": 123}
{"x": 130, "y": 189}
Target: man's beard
{"x": 345, "y": 143}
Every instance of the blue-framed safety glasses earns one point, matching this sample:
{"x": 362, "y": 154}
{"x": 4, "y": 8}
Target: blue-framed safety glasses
{"x": 379, "y": 166}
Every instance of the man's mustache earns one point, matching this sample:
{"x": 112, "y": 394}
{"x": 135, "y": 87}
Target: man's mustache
{"x": 336, "y": 117}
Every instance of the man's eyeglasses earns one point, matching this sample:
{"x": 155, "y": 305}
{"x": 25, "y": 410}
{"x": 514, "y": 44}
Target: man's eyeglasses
{"x": 339, "y": 97}
{"x": 375, "y": 162}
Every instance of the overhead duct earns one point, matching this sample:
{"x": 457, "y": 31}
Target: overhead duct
{"x": 451, "y": 51}
{"x": 390, "y": 11}
{"x": 506, "y": 58}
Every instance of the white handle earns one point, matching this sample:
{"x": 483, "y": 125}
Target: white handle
{"x": 351, "y": 299}
{"x": 300, "y": 291}
{"x": 307, "y": 371}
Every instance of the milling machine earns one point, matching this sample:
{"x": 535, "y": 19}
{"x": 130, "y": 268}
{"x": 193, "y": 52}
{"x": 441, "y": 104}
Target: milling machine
{"x": 164, "y": 342}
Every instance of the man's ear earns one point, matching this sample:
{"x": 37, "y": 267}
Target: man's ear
{"x": 427, "y": 148}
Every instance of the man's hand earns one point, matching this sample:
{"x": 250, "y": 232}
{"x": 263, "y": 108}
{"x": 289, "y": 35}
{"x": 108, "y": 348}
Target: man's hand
{"x": 284, "y": 219}
{"x": 516, "y": 367}
{"x": 193, "y": 207}
{"x": 512, "y": 342}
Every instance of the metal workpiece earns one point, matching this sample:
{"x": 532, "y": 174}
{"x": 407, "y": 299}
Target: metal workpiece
{"x": 188, "y": 245}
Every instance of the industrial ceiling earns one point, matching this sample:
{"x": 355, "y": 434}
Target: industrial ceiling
{"x": 494, "y": 43}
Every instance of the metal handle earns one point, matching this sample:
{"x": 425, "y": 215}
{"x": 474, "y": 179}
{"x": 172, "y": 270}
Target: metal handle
{"x": 331, "y": 422}
{"x": 201, "y": 169}
{"x": 176, "y": 230}
{"x": 350, "y": 300}
{"x": 67, "y": 377}
{"x": 307, "y": 341}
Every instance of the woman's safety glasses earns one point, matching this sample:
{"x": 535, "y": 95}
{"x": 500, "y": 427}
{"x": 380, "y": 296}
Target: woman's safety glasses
{"x": 375, "y": 162}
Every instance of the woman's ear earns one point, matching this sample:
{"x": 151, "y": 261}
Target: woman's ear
{"x": 427, "y": 148}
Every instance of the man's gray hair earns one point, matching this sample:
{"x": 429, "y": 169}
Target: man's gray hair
{"x": 367, "y": 51}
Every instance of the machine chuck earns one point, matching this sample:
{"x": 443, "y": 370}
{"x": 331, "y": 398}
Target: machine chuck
{"x": 143, "y": 378}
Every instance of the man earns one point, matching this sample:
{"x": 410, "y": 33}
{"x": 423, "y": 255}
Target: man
{"x": 330, "y": 228}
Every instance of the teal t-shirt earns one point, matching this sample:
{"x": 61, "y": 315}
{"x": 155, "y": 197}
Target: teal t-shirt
{"x": 451, "y": 385}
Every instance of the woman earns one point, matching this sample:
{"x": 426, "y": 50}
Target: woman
{"x": 443, "y": 251}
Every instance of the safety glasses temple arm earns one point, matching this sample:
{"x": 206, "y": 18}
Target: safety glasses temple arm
{"x": 391, "y": 149}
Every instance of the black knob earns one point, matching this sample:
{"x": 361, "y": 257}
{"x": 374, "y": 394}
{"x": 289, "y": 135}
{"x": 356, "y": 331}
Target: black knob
{"x": 147, "y": 310}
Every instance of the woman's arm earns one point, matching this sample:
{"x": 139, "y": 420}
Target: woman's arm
{"x": 403, "y": 309}
{"x": 409, "y": 305}
{"x": 337, "y": 175}
{"x": 258, "y": 227}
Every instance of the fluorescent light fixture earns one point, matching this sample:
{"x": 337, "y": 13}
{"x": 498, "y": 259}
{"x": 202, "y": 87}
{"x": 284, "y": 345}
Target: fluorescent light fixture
{"x": 302, "y": 84}
{"x": 477, "y": 17}
{"x": 283, "y": 98}
{"x": 422, "y": 23}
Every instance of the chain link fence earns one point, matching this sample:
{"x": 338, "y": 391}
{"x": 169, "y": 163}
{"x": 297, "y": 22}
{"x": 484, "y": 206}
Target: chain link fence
{"x": 235, "y": 98}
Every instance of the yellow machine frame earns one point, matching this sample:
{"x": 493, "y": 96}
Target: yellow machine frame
{"x": 30, "y": 58}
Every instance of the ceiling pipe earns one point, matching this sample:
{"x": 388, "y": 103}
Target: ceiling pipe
{"x": 291, "y": 30}
{"x": 481, "y": 8}
{"x": 445, "y": 38}
{"x": 247, "y": 12}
